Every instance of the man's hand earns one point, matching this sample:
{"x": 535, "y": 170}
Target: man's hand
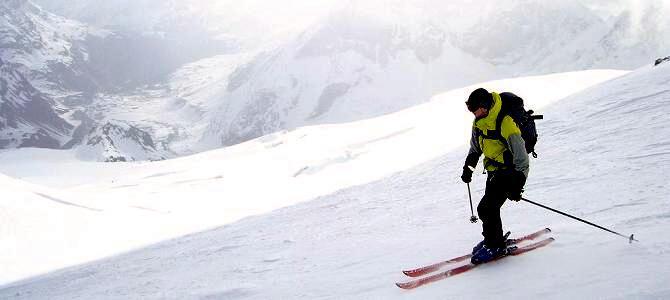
{"x": 515, "y": 195}
{"x": 516, "y": 182}
{"x": 467, "y": 174}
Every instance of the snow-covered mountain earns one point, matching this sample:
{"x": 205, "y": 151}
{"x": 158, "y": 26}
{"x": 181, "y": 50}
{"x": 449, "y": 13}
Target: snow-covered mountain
{"x": 635, "y": 35}
{"x": 53, "y": 67}
{"x": 538, "y": 37}
{"x": 249, "y": 23}
{"x": 602, "y": 152}
{"x": 60, "y": 67}
{"x": 350, "y": 66}
{"x": 27, "y": 117}
{"x": 526, "y": 34}
{"x": 118, "y": 141}
{"x": 44, "y": 47}
{"x": 358, "y": 64}
{"x": 196, "y": 76}
{"x": 37, "y": 55}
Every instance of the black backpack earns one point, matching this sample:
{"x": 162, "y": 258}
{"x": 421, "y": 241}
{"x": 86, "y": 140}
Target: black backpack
{"x": 512, "y": 105}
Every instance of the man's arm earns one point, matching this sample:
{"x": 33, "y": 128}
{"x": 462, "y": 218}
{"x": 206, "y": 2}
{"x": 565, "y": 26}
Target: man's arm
{"x": 517, "y": 146}
{"x": 472, "y": 159}
{"x": 475, "y": 152}
{"x": 519, "y": 156}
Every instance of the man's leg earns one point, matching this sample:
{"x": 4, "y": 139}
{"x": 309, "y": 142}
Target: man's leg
{"x": 489, "y": 211}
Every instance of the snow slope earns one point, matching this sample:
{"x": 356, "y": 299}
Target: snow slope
{"x": 166, "y": 199}
{"x": 352, "y": 243}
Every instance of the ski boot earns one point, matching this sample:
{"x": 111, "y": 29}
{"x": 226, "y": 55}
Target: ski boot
{"x": 481, "y": 244}
{"x": 486, "y": 254}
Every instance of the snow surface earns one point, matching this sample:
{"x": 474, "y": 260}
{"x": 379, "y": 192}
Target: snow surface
{"x": 384, "y": 195}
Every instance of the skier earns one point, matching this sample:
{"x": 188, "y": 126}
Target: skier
{"x": 505, "y": 160}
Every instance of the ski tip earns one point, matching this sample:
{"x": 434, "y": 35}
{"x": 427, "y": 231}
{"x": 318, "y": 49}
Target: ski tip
{"x": 547, "y": 229}
{"x": 405, "y": 285}
{"x": 547, "y": 240}
{"x": 408, "y": 273}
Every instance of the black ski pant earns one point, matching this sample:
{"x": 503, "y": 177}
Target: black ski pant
{"x": 488, "y": 209}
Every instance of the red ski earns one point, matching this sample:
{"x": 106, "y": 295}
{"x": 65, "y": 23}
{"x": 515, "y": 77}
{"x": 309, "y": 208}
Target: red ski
{"x": 434, "y": 267}
{"x": 458, "y": 270}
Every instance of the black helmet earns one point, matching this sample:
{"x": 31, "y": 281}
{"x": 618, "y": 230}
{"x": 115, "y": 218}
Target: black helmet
{"x": 479, "y": 98}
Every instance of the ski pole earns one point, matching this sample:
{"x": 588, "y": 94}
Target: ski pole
{"x": 473, "y": 219}
{"x": 630, "y": 238}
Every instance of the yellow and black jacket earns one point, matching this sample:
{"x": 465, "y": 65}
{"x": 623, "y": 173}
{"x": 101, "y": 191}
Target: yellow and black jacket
{"x": 503, "y": 148}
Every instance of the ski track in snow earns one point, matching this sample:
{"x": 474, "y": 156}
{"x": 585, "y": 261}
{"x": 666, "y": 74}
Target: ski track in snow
{"x": 54, "y": 199}
{"x": 603, "y": 157}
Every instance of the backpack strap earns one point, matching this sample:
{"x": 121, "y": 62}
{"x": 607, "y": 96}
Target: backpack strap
{"x": 507, "y": 155}
{"x": 498, "y": 131}
{"x": 495, "y": 134}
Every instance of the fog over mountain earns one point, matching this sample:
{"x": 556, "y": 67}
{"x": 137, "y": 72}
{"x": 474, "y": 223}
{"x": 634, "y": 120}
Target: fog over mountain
{"x": 169, "y": 78}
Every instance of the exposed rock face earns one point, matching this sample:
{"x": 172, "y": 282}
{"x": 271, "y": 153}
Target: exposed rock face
{"x": 27, "y": 117}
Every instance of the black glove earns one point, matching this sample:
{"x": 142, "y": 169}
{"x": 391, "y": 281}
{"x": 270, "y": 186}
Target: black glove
{"x": 516, "y": 182}
{"x": 467, "y": 174}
